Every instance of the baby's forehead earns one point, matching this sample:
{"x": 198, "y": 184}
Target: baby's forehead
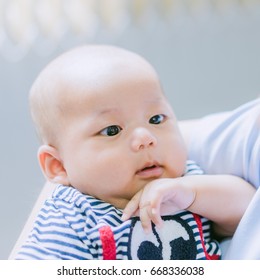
{"x": 94, "y": 61}
{"x": 84, "y": 70}
{"x": 92, "y": 67}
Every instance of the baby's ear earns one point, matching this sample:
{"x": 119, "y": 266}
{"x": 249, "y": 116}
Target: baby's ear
{"x": 51, "y": 165}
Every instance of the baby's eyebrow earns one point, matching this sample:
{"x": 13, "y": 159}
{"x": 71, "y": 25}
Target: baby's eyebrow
{"x": 156, "y": 100}
{"x": 107, "y": 111}
{"x": 116, "y": 110}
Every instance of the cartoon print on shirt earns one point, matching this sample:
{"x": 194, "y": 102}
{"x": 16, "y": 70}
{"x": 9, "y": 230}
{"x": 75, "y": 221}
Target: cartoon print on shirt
{"x": 159, "y": 244}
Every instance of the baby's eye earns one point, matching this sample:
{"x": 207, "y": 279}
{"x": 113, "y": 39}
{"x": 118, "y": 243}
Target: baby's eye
{"x": 111, "y": 130}
{"x": 157, "y": 119}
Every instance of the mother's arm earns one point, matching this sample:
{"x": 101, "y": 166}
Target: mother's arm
{"x": 187, "y": 127}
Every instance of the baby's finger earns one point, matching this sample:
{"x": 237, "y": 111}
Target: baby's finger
{"x": 156, "y": 217}
{"x": 154, "y": 209}
{"x": 145, "y": 218}
{"x": 131, "y": 207}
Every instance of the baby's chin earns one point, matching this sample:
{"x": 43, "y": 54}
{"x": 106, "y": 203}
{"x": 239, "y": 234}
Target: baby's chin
{"x": 119, "y": 203}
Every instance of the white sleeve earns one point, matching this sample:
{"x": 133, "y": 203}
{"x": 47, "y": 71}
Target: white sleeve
{"x": 229, "y": 143}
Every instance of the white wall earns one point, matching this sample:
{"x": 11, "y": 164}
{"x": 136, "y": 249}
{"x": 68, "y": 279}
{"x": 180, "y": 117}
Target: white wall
{"x": 208, "y": 62}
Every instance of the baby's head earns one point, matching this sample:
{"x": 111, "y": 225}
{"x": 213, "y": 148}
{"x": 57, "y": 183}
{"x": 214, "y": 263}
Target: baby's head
{"x": 105, "y": 125}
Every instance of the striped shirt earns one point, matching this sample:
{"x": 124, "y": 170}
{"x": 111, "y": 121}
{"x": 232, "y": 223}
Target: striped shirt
{"x": 72, "y": 225}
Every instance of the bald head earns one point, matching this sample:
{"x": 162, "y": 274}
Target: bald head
{"x": 78, "y": 72}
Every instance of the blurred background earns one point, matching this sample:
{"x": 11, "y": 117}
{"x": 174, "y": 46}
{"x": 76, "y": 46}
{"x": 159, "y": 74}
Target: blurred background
{"x": 207, "y": 53}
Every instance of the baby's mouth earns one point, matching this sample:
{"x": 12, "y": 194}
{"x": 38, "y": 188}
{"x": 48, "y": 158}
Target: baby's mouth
{"x": 150, "y": 170}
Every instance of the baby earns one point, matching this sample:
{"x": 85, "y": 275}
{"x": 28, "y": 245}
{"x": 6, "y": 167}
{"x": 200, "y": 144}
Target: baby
{"x": 110, "y": 141}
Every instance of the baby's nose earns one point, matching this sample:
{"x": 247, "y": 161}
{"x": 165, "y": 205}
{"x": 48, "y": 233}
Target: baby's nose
{"x": 142, "y": 139}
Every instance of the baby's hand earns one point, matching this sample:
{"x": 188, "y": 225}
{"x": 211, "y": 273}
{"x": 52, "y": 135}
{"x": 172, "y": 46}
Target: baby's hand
{"x": 157, "y": 198}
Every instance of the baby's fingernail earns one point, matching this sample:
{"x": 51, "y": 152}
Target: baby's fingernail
{"x": 123, "y": 217}
{"x": 160, "y": 225}
{"x": 153, "y": 211}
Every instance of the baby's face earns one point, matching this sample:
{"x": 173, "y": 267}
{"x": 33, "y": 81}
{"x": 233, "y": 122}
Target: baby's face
{"x": 120, "y": 137}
